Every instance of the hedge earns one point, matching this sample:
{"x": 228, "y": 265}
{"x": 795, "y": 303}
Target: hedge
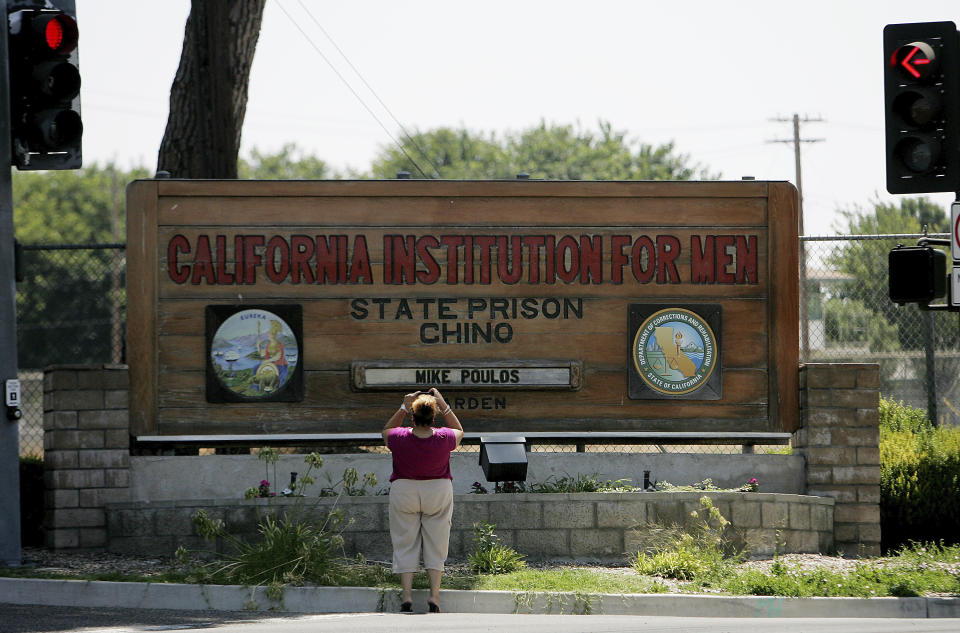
{"x": 919, "y": 478}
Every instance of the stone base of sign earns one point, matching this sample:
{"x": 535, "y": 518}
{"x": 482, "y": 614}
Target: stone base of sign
{"x": 840, "y": 438}
{"x": 86, "y": 451}
{"x": 600, "y": 527}
{"x": 89, "y": 504}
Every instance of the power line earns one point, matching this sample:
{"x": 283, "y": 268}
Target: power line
{"x": 372, "y": 91}
{"x": 350, "y": 88}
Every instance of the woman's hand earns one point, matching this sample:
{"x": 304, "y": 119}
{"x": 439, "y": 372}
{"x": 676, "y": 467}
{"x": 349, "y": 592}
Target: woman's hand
{"x": 399, "y": 415}
{"x": 409, "y": 398}
{"x": 441, "y": 403}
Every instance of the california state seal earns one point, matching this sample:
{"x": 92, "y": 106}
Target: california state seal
{"x": 675, "y": 351}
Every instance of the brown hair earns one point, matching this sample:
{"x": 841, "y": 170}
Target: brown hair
{"x": 424, "y": 409}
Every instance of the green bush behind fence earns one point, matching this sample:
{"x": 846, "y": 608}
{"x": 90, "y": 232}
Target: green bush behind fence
{"x": 919, "y": 477}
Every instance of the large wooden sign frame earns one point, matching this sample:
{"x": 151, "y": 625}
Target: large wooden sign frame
{"x": 534, "y": 306}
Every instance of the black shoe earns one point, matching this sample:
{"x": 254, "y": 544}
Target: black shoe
{"x": 406, "y": 607}
{"x": 434, "y": 607}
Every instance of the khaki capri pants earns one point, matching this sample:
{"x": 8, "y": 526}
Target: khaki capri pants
{"x": 420, "y": 513}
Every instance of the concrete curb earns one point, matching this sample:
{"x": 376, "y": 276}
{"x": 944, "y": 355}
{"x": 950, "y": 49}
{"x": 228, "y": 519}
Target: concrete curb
{"x": 84, "y": 593}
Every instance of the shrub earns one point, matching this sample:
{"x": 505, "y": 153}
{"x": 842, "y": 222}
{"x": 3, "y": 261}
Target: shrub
{"x": 489, "y": 556}
{"x": 919, "y": 477}
{"x": 702, "y": 550}
{"x": 687, "y": 560}
{"x": 581, "y": 483}
{"x": 290, "y": 549}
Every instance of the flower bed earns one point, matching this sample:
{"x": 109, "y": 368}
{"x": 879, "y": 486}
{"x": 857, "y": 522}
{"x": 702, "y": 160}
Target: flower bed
{"x": 589, "y": 526}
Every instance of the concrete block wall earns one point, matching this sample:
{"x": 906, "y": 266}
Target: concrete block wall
{"x": 88, "y": 465}
{"x": 86, "y": 445}
{"x": 840, "y": 438}
{"x": 605, "y": 527}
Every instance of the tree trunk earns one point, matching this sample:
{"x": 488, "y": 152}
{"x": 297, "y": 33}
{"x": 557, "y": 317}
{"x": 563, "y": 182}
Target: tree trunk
{"x": 208, "y": 99}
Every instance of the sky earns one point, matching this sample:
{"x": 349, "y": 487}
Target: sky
{"x": 342, "y": 80}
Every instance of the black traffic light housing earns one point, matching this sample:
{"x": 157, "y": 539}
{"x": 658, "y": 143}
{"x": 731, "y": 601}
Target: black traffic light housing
{"x": 46, "y": 129}
{"x": 922, "y": 107}
{"x": 918, "y": 274}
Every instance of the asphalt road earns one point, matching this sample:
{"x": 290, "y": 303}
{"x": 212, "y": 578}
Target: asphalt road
{"x": 46, "y": 619}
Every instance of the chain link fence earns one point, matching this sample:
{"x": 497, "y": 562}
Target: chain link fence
{"x": 850, "y": 318}
{"x": 71, "y": 309}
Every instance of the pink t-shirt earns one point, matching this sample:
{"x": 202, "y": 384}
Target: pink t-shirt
{"x": 421, "y": 457}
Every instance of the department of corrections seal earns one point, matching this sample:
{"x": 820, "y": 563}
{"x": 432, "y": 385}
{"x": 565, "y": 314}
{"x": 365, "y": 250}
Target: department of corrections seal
{"x": 675, "y": 351}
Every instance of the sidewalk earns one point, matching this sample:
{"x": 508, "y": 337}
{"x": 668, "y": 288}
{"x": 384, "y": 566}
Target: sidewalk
{"x": 369, "y": 600}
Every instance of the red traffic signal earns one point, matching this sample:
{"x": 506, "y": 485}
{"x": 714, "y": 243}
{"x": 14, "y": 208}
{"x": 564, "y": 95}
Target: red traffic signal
{"x": 916, "y": 60}
{"x": 60, "y": 32}
{"x": 922, "y": 107}
{"x": 45, "y": 125}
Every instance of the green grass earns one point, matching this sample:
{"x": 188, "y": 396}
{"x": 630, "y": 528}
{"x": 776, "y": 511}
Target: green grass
{"x": 565, "y": 579}
{"x": 914, "y": 570}
{"x": 864, "y": 582}
{"x": 113, "y": 576}
{"x": 571, "y": 580}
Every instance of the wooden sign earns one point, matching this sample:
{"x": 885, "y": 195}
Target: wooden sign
{"x": 311, "y": 307}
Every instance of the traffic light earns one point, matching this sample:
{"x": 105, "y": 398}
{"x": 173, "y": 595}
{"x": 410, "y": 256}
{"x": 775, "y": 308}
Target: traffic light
{"x": 45, "y": 126}
{"x": 922, "y": 107}
{"x": 918, "y": 274}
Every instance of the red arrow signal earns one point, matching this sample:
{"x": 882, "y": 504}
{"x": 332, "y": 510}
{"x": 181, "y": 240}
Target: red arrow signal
{"x": 917, "y": 59}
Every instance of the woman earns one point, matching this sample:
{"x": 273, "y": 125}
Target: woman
{"x": 421, "y": 490}
{"x": 272, "y": 370}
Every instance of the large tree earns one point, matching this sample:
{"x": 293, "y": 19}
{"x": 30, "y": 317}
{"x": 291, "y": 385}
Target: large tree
{"x": 556, "y": 152}
{"x": 288, "y": 163}
{"x": 208, "y": 99}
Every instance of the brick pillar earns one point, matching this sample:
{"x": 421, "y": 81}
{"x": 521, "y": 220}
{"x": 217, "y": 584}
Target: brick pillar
{"x": 840, "y": 438}
{"x": 86, "y": 443}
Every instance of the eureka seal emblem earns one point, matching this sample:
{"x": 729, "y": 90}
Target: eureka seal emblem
{"x": 675, "y": 351}
{"x": 254, "y": 353}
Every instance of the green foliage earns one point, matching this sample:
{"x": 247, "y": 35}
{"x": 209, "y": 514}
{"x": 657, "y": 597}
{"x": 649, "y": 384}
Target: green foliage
{"x": 288, "y": 551}
{"x": 865, "y": 262}
{"x": 69, "y": 300}
{"x": 786, "y": 449}
{"x": 850, "y": 321}
{"x": 900, "y": 577}
{"x": 556, "y": 152}
{"x": 896, "y": 416}
{"x": 707, "y": 484}
{"x": 789, "y": 582}
{"x": 352, "y": 484}
{"x": 72, "y": 206}
{"x": 701, "y": 551}
{"x": 444, "y": 153}
{"x": 686, "y": 561}
{"x": 919, "y": 477}
{"x": 289, "y": 163}
{"x": 290, "y": 548}
{"x": 489, "y": 556}
{"x": 581, "y": 483}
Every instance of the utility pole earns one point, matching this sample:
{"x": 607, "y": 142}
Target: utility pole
{"x": 9, "y": 431}
{"x": 804, "y": 308}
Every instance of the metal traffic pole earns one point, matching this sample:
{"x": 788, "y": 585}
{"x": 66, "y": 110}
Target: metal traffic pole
{"x": 10, "y": 553}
